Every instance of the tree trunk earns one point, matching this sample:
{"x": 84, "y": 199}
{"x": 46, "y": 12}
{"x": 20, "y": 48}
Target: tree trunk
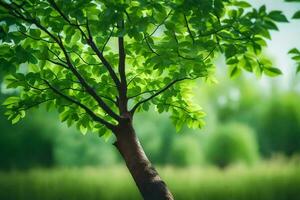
{"x": 150, "y": 185}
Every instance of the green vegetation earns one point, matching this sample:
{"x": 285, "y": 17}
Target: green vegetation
{"x": 278, "y": 180}
{"x": 232, "y": 143}
{"x": 116, "y": 68}
{"x": 274, "y": 128}
{"x": 280, "y": 130}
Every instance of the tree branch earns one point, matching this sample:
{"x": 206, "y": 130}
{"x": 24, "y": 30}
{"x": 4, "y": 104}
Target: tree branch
{"x": 108, "y": 38}
{"x": 157, "y": 27}
{"x": 178, "y": 53}
{"x": 37, "y": 39}
{"x": 57, "y": 63}
{"x": 211, "y": 32}
{"x": 34, "y": 105}
{"x": 87, "y": 110}
{"x": 160, "y": 91}
{"x": 90, "y": 42}
{"x": 148, "y": 91}
{"x": 151, "y": 49}
{"x": 121, "y": 68}
{"x": 87, "y": 87}
{"x": 188, "y": 28}
{"x": 110, "y": 69}
{"x": 58, "y": 40}
{"x": 61, "y": 60}
{"x": 208, "y": 55}
{"x": 83, "y": 59}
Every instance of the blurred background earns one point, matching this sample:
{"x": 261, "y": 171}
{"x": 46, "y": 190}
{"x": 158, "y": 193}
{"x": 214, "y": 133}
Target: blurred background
{"x": 249, "y": 148}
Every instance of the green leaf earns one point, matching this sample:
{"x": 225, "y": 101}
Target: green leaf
{"x": 232, "y": 61}
{"x": 106, "y": 136}
{"x": 65, "y": 115}
{"x": 271, "y": 71}
{"x": 277, "y": 15}
{"x": 235, "y": 71}
{"x": 16, "y": 119}
{"x": 238, "y": 32}
{"x": 242, "y": 4}
{"x": 294, "y": 51}
{"x": 83, "y": 129}
{"x": 298, "y": 69}
{"x": 296, "y": 15}
{"x": 11, "y": 100}
{"x": 35, "y": 33}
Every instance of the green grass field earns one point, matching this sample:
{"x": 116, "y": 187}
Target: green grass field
{"x": 266, "y": 181}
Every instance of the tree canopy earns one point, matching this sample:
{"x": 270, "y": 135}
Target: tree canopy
{"x": 94, "y": 60}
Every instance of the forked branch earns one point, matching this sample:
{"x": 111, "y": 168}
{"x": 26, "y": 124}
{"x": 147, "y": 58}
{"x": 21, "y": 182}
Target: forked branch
{"x": 166, "y": 87}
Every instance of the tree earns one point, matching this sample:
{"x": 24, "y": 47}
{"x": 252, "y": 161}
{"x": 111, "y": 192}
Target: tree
{"x": 100, "y": 62}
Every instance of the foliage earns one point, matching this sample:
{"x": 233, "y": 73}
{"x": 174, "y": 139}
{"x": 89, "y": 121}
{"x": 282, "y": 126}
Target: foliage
{"x": 232, "y": 143}
{"x": 295, "y": 52}
{"x": 64, "y": 54}
{"x": 186, "y": 151}
{"x": 296, "y": 56}
{"x": 70, "y": 149}
{"x": 28, "y": 144}
{"x": 280, "y": 126}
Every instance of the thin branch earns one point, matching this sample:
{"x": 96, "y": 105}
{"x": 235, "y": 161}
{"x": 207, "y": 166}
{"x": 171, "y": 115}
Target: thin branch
{"x": 130, "y": 81}
{"x": 160, "y": 91}
{"x": 212, "y": 32}
{"x": 127, "y": 15}
{"x": 57, "y": 63}
{"x": 122, "y": 57}
{"x": 208, "y": 55}
{"x": 107, "y": 39}
{"x": 83, "y": 59}
{"x": 177, "y": 50}
{"x": 188, "y": 28}
{"x": 57, "y": 56}
{"x": 181, "y": 108}
{"x": 109, "y": 99}
{"x": 110, "y": 69}
{"x": 19, "y": 15}
{"x": 69, "y": 88}
{"x": 157, "y": 27}
{"x": 87, "y": 110}
{"x": 90, "y": 42}
{"x": 37, "y": 39}
{"x": 33, "y": 105}
{"x": 55, "y": 6}
{"x": 121, "y": 68}
{"x": 151, "y": 49}
{"x": 145, "y": 92}
{"x": 58, "y": 40}
{"x": 40, "y": 90}
{"x": 73, "y": 89}
{"x": 176, "y": 106}
{"x": 86, "y": 86}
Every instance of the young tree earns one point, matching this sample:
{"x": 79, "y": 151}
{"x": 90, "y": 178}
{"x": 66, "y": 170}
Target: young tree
{"x": 100, "y": 62}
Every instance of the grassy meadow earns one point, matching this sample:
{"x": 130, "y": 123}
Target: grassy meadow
{"x": 276, "y": 180}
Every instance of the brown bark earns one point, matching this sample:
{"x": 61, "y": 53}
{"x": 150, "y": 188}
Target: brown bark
{"x": 150, "y": 185}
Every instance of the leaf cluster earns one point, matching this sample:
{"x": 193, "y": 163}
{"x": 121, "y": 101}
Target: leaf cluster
{"x": 98, "y": 61}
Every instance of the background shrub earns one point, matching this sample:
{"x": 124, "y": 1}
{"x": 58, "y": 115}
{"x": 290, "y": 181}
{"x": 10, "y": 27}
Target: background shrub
{"x": 231, "y": 143}
{"x": 280, "y": 126}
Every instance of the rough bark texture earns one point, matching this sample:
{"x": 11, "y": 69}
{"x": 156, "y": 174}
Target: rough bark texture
{"x": 150, "y": 185}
